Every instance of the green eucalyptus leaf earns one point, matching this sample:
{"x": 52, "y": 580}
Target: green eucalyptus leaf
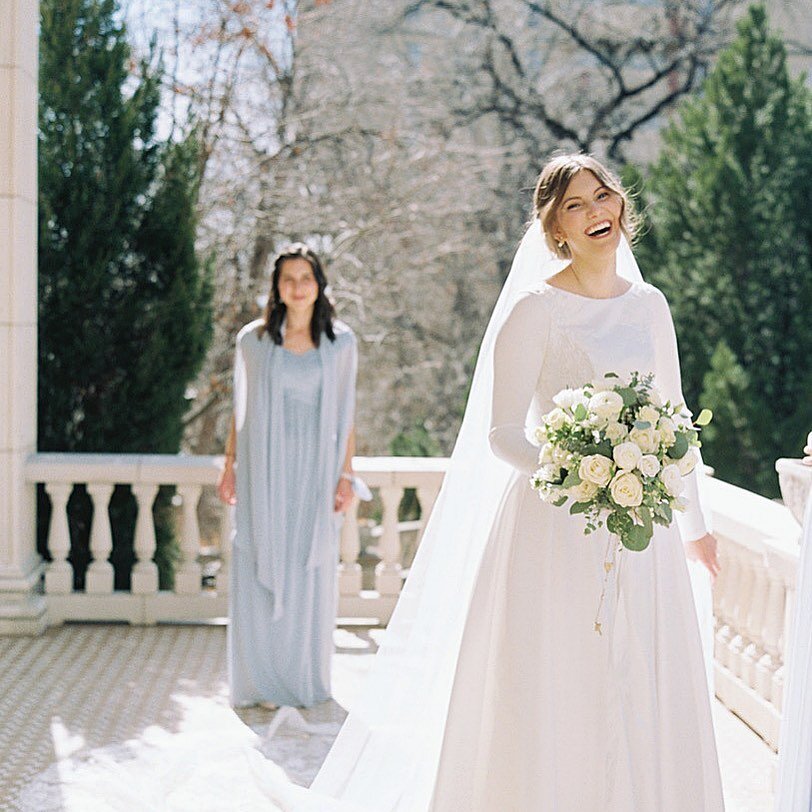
{"x": 705, "y": 417}
{"x": 579, "y": 507}
{"x": 636, "y": 538}
{"x": 571, "y": 479}
{"x": 680, "y": 447}
{"x": 580, "y": 412}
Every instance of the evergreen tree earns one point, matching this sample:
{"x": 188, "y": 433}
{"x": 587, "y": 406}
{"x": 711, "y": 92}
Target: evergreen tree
{"x": 727, "y": 440}
{"x": 731, "y": 246}
{"x": 124, "y": 303}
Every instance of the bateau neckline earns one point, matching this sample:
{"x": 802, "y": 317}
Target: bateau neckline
{"x": 625, "y": 293}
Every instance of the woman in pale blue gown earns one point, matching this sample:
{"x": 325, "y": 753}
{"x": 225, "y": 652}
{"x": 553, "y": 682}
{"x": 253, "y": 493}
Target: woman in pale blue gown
{"x": 288, "y": 469}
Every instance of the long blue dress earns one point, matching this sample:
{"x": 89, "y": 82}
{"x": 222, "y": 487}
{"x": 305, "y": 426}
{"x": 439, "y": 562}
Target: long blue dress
{"x": 283, "y": 570}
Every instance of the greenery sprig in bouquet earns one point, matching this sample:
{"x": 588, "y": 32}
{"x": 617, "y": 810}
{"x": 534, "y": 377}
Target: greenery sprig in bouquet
{"x": 617, "y": 453}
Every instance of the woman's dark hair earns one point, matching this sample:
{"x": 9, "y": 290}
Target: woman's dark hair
{"x": 323, "y": 310}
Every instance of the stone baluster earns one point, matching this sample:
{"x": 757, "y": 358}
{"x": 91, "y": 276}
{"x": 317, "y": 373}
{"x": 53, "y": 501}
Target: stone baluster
{"x": 388, "y": 579}
{"x": 728, "y": 604}
{"x": 790, "y": 584}
{"x": 349, "y": 570}
{"x": 99, "y": 577}
{"x": 755, "y": 618}
{"x": 427, "y": 496}
{"x": 740, "y": 640}
{"x": 59, "y": 574}
{"x": 720, "y": 587}
{"x": 774, "y": 615}
{"x": 145, "y": 571}
{"x": 221, "y": 581}
{"x": 189, "y": 574}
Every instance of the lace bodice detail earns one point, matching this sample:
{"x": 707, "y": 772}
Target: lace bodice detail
{"x": 553, "y": 339}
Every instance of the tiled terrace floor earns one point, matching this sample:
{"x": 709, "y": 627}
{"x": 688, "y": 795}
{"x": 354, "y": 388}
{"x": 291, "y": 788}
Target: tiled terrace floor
{"x": 98, "y": 697}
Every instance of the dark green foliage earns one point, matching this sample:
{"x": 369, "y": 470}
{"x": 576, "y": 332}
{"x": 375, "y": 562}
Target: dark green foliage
{"x": 731, "y": 247}
{"x": 124, "y": 303}
{"x": 727, "y": 440}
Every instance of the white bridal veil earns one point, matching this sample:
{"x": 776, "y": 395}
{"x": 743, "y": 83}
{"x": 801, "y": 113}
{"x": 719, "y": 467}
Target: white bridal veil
{"x": 386, "y": 755}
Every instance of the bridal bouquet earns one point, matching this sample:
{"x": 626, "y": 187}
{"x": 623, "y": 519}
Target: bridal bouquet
{"x": 617, "y": 453}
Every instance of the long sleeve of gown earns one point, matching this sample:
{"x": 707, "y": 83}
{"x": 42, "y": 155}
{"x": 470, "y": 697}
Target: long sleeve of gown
{"x": 692, "y": 522}
{"x": 518, "y": 359}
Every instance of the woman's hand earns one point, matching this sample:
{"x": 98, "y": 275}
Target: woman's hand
{"x": 704, "y": 550}
{"x": 227, "y": 483}
{"x": 344, "y": 495}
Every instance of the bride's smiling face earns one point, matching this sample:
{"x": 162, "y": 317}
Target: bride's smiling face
{"x": 588, "y": 218}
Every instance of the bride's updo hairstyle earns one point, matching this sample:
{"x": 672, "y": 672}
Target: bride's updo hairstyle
{"x": 552, "y": 185}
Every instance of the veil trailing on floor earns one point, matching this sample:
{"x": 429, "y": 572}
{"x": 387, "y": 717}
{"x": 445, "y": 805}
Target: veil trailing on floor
{"x": 385, "y": 757}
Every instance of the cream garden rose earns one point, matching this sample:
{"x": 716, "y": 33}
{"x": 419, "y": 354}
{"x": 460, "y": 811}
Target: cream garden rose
{"x": 557, "y": 419}
{"x": 672, "y": 479}
{"x": 649, "y": 465}
{"x": 583, "y": 492}
{"x": 616, "y": 432}
{"x": 647, "y": 440}
{"x": 667, "y": 429}
{"x": 606, "y": 404}
{"x": 627, "y": 489}
{"x": 597, "y": 469}
{"x": 627, "y": 455}
{"x": 688, "y": 462}
{"x": 648, "y": 414}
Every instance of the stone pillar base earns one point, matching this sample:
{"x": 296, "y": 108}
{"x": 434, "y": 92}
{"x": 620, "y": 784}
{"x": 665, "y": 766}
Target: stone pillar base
{"x": 23, "y": 612}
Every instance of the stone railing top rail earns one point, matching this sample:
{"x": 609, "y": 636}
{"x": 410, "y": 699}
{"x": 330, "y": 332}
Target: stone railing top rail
{"x": 752, "y": 520}
{"x": 164, "y": 469}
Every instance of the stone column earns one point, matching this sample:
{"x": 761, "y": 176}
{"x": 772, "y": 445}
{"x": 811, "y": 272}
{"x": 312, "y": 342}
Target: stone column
{"x": 22, "y": 607}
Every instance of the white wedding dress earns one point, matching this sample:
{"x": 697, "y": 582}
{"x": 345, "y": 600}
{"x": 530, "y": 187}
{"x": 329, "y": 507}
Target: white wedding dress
{"x": 545, "y": 714}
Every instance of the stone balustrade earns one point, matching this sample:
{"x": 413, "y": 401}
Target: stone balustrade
{"x": 753, "y": 599}
{"x": 753, "y": 596}
{"x": 193, "y": 598}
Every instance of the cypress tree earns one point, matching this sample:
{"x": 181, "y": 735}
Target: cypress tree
{"x": 124, "y": 302}
{"x": 731, "y": 247}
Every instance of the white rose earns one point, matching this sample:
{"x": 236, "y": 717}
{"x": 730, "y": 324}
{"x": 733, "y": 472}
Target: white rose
{"x": 616, "y": 432}
{"x": 649, "y": 465}
{"x": 595, "y": 468}
{"x": 672, "y": 479}
{"x": 627, "y": 489}
{"x": 584, "y": 492}
{"x": 687, "y": 463}
{"x": 667, "y": 429}
{"x": 606, "y": 404}
{"x": 627, "y": 455}
{"x": 546, "y": 454}
{"x": 648, "y": 414}
{"x": 656, "y": 398}
{"x": 557, "y": 419}
{"x": 540, "y": 435}
{"x": 648, "y": 440}
{"x": 565, "y": 398}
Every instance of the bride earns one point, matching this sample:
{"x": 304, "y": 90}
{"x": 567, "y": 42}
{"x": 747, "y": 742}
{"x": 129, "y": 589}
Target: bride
{"x": 492, "y": 691}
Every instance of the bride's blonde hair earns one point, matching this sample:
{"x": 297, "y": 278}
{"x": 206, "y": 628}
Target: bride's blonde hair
{"x": 552, "y": 185}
